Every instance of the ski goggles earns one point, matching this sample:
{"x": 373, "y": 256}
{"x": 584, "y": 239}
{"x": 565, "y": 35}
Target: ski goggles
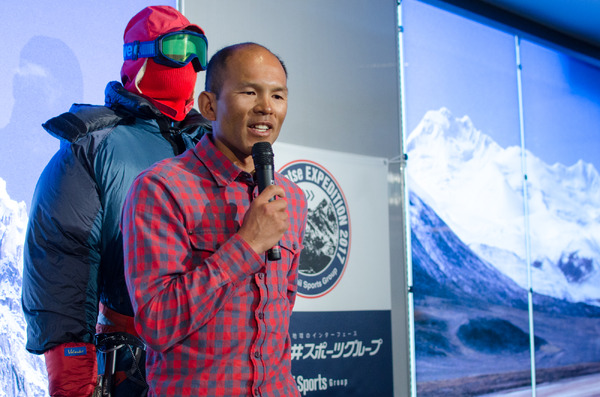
{"x": 175, "y": 49}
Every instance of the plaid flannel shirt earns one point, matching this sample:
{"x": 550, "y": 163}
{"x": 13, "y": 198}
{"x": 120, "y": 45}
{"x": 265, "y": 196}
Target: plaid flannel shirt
{"x": 214, "y": 314}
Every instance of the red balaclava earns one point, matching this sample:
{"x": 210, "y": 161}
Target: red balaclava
{"x": 171, "y": 90}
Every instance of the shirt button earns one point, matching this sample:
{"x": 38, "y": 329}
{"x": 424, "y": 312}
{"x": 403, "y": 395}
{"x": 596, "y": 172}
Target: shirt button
{"x": 256, "y": 354}
{"x": 261, "y": 275}
{"x": 261, "y": 316}
{"x": 256, "y": 392}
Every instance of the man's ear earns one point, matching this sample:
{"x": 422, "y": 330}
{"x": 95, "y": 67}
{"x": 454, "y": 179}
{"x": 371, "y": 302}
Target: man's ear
{"x": 207, "y": 105}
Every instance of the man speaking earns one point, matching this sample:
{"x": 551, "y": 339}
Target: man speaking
{"x": 211, "y": 306}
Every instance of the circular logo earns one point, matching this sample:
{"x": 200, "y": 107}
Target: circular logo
{"x": 327, "y": 236}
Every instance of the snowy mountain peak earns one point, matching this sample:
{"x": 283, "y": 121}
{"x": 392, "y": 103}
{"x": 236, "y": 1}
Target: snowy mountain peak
{"x": 476, "y": 187}
{"x": 459, "y": 137}
{"x": 583, "y": 175}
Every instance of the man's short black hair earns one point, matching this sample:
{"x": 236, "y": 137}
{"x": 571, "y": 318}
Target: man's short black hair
{"x": 216, "y": 66}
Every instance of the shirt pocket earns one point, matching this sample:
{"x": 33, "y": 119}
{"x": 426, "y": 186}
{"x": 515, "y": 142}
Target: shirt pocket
{"x": 290, "y": 248}
{"x": 205, "y": 242}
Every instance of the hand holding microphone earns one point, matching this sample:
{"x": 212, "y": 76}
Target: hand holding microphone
{"x": 267, "y": 219}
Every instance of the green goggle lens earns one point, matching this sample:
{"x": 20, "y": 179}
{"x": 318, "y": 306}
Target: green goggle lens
{"x": 181, "y": 46}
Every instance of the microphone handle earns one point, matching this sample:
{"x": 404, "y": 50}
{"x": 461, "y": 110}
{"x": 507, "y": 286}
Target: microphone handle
{"x": 264, "y": 179}
{"x": 274, "y": 254}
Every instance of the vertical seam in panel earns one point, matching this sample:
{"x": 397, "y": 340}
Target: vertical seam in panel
{"x": 407, "y": 231}
{"x": 526, "y": 216}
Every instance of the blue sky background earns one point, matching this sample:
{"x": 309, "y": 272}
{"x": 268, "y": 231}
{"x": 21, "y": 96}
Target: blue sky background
{"x": 465, "y": 66}
{"x": 470, "y": 68}
{"x": 93, "y": 30}
{"x": 561, "y": 98}
{"x": 55, "y": 54}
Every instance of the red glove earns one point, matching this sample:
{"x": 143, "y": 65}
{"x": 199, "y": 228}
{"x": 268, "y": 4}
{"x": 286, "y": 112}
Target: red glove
{"x": 72, "y": 369}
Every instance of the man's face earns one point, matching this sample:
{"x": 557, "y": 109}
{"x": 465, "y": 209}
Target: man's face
{"x": 252, "y": 103}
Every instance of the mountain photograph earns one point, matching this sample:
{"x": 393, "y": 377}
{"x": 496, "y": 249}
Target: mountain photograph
{"x": 21, "y": 374}
{"x": 469, "y": 259}
{"x": 321, "y": 238}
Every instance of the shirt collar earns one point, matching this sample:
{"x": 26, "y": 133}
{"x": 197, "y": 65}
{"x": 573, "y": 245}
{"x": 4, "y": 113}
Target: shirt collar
{"x": 221, "y": 168}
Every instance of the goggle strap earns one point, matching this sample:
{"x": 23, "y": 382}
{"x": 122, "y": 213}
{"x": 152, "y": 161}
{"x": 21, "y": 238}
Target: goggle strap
{"x": 135, "y": 50}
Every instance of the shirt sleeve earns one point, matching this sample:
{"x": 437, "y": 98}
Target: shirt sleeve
{"x": 173, "y": 291}
{"x": 61, "y": 256}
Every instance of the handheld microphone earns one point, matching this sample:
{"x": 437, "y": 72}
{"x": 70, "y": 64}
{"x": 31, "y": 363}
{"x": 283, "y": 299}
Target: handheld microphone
{"x": 262, "y": 155}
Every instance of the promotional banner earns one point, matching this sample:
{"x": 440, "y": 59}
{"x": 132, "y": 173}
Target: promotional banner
{"x": 341, "y": 325}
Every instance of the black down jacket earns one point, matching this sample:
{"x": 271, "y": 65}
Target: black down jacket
{"x": 73, "y": 250}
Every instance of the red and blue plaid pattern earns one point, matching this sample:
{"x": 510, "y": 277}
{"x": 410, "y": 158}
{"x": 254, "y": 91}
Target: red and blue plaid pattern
{"x": 214, "y": 314}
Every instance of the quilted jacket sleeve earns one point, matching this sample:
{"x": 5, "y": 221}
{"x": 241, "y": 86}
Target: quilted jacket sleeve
{"x": 61, "y": 258}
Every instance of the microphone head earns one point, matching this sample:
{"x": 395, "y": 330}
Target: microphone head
{"x": 262, "y": 154}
